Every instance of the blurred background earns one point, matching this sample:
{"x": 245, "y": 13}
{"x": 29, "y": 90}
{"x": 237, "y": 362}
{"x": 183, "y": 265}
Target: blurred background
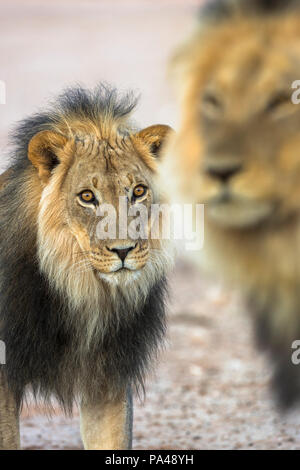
{"x": 210, "y": 390}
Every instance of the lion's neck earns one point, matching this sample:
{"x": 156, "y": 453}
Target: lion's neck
{"x": 249, "y": 259}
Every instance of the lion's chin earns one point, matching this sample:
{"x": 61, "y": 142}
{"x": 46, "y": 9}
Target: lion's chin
{"x": 236, "y": 213}
{"x": 121, "y": 276}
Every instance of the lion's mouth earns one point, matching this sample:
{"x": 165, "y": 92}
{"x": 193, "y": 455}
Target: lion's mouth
{"x": 119, "y": 270}
{"x": 123, "y": 269}
{"x": 230, "y": 210}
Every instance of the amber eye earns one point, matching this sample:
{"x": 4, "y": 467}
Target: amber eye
{"x": 139, "y": 191}
{"x": 278, "y": 100}
{"x": 87, "y": 196}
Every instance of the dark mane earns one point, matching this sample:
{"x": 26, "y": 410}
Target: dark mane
{"x": 88, "y": 105}
{"x": 219, "y": 10}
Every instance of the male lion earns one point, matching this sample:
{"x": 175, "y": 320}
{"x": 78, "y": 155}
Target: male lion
{"x": 238, "y": 152}
{"x": 80, "y": 316}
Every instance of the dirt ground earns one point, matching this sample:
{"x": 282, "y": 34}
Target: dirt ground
{"x": 210, "y": 389}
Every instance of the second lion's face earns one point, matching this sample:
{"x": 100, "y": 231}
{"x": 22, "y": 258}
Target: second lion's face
{"x": 238, "y": 146}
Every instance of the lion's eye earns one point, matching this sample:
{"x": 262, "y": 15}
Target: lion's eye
{"x": 87, "y": 196}
{"x": 139, "y": 191}
{"x": 211, "y": 105}
{"x": 212, "y": 100}
{"x": 277, "y": 100}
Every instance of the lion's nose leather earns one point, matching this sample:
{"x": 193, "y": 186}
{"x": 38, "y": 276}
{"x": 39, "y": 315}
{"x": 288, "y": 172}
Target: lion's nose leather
{"x": 122, "y": 252}
{"x": 223, "y": 173}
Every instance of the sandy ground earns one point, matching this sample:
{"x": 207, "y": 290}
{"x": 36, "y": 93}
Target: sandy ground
{"x": 210, "y": 390}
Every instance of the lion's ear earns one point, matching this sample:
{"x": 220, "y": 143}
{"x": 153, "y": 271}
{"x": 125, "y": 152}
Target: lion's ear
{"x": 154, "y": 137}
{"x": 43, "y": 150}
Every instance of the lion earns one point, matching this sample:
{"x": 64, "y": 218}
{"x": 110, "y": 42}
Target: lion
{"x": 82, "y": 317}
{"x": 237, "y": 152}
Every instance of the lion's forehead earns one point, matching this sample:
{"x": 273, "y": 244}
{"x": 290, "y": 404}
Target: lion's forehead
{"x": 258, "y": 61}
{"x": 90, "y": 148}
{"x": 101, "y": 159}
{"x": 256, "y": 71}
{"x": 112, "y": 168}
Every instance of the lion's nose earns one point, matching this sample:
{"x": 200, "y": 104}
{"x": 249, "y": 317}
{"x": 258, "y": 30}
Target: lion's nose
{"x": 223, "y": 173}
{"x": 122, "y": 252}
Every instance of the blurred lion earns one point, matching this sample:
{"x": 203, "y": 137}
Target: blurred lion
{"x": 238, "y": 152}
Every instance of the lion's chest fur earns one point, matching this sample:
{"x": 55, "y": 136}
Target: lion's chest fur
{"x": 53, "y": 350}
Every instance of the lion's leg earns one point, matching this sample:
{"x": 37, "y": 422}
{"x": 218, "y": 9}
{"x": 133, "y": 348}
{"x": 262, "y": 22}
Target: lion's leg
{"x": 108, "y": 424}
{"x": 9, "y": 418}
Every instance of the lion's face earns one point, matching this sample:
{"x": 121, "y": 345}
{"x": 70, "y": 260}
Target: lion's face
{"x": 239, "y": 142}
{"x": 113, "y": 177}
{"x": 94, "y": 212}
